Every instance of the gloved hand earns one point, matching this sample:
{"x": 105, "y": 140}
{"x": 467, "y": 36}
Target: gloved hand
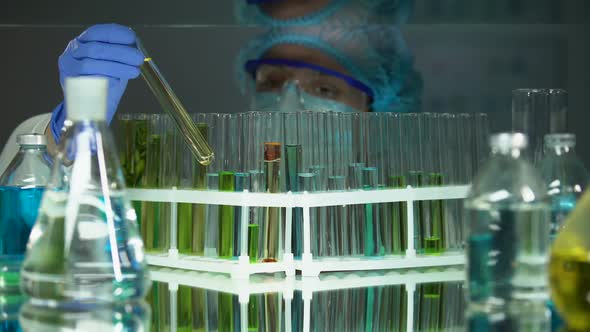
{"x": 103, "y": 50}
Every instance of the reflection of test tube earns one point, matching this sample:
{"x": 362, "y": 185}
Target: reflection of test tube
{"x": 272, "y": 163}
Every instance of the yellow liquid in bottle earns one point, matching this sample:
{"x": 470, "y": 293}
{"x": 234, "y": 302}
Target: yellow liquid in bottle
{"x": 569, "y": 275}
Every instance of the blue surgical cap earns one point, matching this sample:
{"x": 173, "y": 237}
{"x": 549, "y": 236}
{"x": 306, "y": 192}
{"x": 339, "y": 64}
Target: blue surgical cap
{"x": 375, "y": 55}
{"x": 337, "y": 12}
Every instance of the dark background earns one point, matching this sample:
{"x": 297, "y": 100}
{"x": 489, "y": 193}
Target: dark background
{"x": 471, "y": 54}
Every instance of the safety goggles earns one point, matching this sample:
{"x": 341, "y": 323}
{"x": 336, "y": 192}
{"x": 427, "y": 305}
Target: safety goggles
{"x": 271, "y": 75}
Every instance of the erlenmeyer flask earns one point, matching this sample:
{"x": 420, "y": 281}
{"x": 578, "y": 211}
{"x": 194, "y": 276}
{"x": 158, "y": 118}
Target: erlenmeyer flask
{"x": 569, "y": 267}
{"x": 85, "y": 245}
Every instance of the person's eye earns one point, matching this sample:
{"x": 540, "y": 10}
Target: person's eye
{"x": 327, "y": 91}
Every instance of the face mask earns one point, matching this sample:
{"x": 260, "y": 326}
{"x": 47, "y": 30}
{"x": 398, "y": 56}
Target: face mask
{"x": 293, "y": 99}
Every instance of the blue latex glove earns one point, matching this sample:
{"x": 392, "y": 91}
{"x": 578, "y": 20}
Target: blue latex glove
{"x": 103, "y": 50}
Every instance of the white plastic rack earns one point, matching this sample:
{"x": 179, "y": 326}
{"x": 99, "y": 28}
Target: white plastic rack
{"x": 308, "y": 265}
{"x": 308, "y": 286}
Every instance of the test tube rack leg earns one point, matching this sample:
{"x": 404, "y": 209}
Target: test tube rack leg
{"x": 307, "y": 286}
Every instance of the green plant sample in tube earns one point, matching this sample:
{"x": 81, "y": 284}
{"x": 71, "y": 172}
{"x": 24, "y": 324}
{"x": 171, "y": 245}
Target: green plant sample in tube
{"x": 226, "y": 217}
{"x": 150, "y": 211}
{"x": 253, "y": 236}
{"x": 191, "y": 217}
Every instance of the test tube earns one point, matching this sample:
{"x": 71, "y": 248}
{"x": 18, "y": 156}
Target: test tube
{"x": 319, "y": 168}
{"x": 370, "y": 181}
{"x": 212, "y": 182}
{"x": 531, "y": 115}
{"x": 413, "y": 130}
{"x": 434, "y": 241}
{"x": 293, "y": 160}
{"x": 254, "y": 157}
{"x": 199, "y": 211}
{"x": 337, "y": 215}
{"x": 355, "y": 156}
{"x": 184, "y": 308}
{"x": 226, "y": 144}
{"x": 272, "y": 162}
{"x": 150, "y": 211}
{"x": 558, "y": 105}
{"x": 169, "y": 171}
{"x": 448, "y": 148}
{"x": 397, "y": 162}
{"x": 185, "y": 210}
{"x": 171, "y": 104}
{"x": 465, "y": 147}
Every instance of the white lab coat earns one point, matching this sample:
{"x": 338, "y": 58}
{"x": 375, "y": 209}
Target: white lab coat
{"x": 35, "y": 125}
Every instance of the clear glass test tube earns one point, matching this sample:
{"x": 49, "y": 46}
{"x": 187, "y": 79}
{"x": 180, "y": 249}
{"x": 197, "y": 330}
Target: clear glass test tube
{"x": 212, "y": 182}
{"x": 150, "y": 211}
{"x": 433, "y": 227}
{"x": 199, "y": 211}
{"x": 558, "y": 107}
{"x": 370, "y": 180}
{"x": 272, "y": 162}
{"x": 396, "y": 178}
{"x": 171, "y": 104}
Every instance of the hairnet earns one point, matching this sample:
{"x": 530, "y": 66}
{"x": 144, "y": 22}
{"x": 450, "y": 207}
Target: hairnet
{"x": 340, "y": 12}
{"x": 376, "y": 55}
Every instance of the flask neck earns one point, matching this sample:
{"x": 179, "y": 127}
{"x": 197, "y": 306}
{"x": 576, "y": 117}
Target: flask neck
{"x": 510, "y": 152}
{"x": 561, "y": 150}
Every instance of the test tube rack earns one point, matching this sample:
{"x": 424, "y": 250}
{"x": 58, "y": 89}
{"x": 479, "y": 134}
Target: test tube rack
{"x": 308, "y": 265}
{"x": 308, "y": 286}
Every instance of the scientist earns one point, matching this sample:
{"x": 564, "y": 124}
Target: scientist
{"x": 300, "y": 66}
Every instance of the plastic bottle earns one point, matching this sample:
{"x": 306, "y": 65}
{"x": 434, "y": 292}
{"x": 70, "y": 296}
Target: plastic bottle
{"x": 565, "y": 177}
{"x": 21, "y": 188}
{"x": 85, "y": 246}
{"x": 508, "y": 228}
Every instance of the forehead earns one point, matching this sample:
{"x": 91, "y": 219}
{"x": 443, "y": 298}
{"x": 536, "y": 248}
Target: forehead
{"x": 306, "y": 54}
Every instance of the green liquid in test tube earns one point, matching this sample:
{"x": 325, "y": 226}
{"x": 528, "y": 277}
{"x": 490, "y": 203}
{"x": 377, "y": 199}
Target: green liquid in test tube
{"x": 253, "y": 239}
{"x": 226, "y": 217}
{"x": 212, "y": 219}
{"x": 242, "y": 182}
{"x": 151, "y": 210}
{"x": 421, "y": 210}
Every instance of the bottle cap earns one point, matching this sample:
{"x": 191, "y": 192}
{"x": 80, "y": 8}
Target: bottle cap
{"x": 509, "y": 141}
{"x": 31, "y": 139}
{"x": 86, "y": 98}
{"x": 560, "y": 140}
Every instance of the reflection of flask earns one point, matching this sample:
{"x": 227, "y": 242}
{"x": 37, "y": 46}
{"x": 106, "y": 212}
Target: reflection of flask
{"x": 569, "y": 268}
{"x": 21, "y": 187}
{"x": 564, "y": 175}
{"x": 85, "y": 245}
{"x": 508, "y": 220}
